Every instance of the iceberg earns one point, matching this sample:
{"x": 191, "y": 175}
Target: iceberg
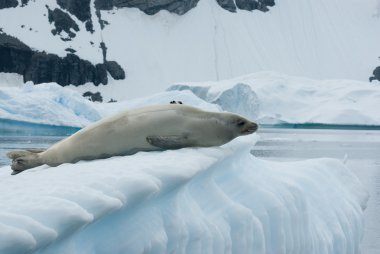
{"x": 48, "y": 104}
{"x": 273, "y": 98}
{"x": 263, "y": 97}
{"x": 51, "y": 104}
{"x": 192, "y": 200}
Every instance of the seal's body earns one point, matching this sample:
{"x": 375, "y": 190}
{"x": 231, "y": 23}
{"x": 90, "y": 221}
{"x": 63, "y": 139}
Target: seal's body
{"x": 147, "y": 129}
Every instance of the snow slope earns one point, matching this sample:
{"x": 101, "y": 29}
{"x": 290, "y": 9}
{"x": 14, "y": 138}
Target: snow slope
{"x": 30, "y": 24}
{"x": 325, "y": 39}
{"x": 207, "y": 200}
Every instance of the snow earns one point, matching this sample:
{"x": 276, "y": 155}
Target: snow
{"x": 30, "y": 24}
{"x": 298, "y": 37}
{"x": 205, "y": 200}
{"x": 11, "y": 79}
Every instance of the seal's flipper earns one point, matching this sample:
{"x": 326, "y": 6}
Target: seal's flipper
{"x": 36, "y": 150}
{"x": 170, "y": 141}
{"x": 22, "y": 160}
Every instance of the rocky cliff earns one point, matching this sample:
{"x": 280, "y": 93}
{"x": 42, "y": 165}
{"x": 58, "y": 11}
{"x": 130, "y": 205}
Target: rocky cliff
{"x": 182, "y": 6}
{"x": 41, "y": 67}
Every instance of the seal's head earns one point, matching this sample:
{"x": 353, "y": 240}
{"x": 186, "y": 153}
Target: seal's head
{"x": 242, "y": 126}
{"x": 227, "y": 127}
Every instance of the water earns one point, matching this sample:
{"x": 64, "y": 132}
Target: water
{"x": 360, "y": 149}
{"x": 15, "y": 135}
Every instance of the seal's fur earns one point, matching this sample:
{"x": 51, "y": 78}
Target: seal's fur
{"x": 152, "y": 128}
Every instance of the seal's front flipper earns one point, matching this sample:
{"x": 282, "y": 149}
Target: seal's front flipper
{"x": 170, "y": 141}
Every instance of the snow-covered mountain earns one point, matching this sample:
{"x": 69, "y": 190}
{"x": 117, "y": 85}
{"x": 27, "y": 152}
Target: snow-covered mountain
{"x": 162, "y": 42}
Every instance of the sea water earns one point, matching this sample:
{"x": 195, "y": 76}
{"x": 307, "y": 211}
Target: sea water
{"x": 15, "y": 135}
{"x": 358, "y": 149}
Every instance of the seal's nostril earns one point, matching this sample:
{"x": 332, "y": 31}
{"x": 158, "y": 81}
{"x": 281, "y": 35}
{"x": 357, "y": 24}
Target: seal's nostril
{"x": 254, "y": 126}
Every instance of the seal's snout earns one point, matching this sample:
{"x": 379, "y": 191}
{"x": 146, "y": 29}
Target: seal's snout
{"x": 250, "y": 128}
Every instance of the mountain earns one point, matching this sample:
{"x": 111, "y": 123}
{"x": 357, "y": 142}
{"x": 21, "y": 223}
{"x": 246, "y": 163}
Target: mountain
{"x": 139, "y": 47}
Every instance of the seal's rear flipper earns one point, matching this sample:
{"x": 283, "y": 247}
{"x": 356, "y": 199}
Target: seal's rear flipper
{"x": 22, "y": 160}
{"x": 170, "y": 141}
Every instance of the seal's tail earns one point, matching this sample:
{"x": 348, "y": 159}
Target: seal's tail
{"x": 22, "y": 160}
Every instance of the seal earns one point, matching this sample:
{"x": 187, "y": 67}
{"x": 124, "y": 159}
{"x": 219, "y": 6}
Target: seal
{"x": 153, "y": 128}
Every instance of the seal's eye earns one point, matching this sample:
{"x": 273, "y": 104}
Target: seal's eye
{"x": 240, "y": 123}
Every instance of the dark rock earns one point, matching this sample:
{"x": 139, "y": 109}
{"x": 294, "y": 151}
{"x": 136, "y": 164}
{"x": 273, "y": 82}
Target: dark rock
{"x": 104, "y": 51}
{"x": 40, "y": 67}
{"x": 43, "y": 68}
{"x": 89, "y": 26}
{"x": 66, "y": 39}
{"x": 112, "y": 100}
{"x": 64, "y": 71}
{"x": 179, "y": 7}
{"x": 102, "y": 22}
{"x": 24, "y": 3}
{"x": 79, "y": 8}
{"x": 14, "y": 55}
{"x": 70, "y": 50}
{"x": 270, "y": 3}
{"x": 93, "y": 96}
{"x": 229, "y": 5}
{"x": 248, "y": 5}
{"x": 12, "y": 42}
{"x": 104, "y": 5}
{"x": 376, "y": 74}
{"x": 8, "y": 4}
{"x": 62, "y": 22}
{"x": 101, "y": 74}
{"x": 115, "y": 70}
